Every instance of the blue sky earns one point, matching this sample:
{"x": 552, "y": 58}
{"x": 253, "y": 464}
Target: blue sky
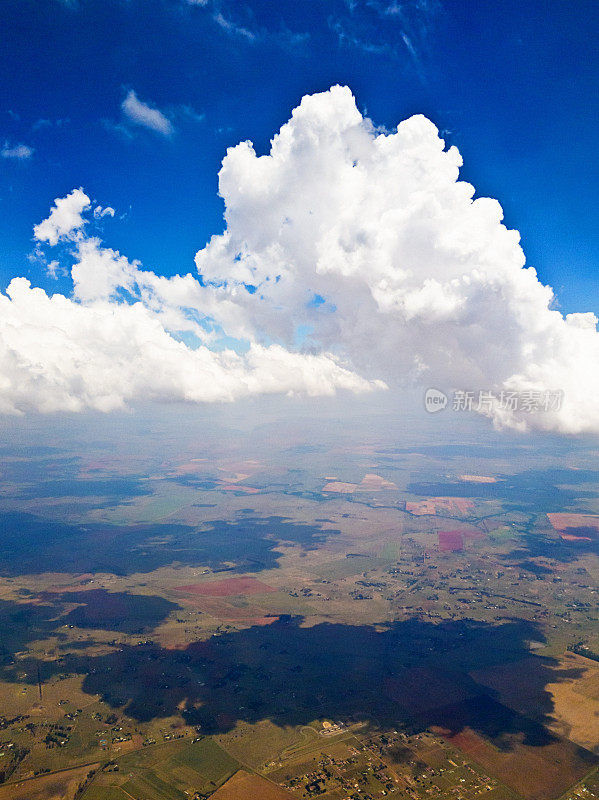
{"x": 513, "y": 85}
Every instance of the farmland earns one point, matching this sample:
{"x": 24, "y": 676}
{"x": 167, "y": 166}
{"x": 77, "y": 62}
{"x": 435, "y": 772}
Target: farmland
{"x": 364, "y": 624}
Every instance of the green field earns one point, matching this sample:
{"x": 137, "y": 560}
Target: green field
{"x": 165, "y": 772}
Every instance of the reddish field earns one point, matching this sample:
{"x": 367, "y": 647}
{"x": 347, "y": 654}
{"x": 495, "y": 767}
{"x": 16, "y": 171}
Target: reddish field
{"x": 537, "y": 773}
{"x": 518, "y": 751}
{"x": 450, "y": 541}
{"x": 227, "y": 587}
{"x": 454, "y": 540}
{"x": 244, "y": 786}
{"x": 575, "y": 527}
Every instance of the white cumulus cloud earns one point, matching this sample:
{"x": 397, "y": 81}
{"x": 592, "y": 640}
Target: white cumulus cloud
{"x": 361, "y": 244}
{"x": 118, "y": 339}
{"x": 419, "y": 280}
{"x": 60, "y": 355}
{"x": 65, "y": 220}
{"x": 140, "y": 113}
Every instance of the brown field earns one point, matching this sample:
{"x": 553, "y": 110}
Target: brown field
{"x": 14, "y": 701}
{"x": 572, "y": 703}
{"x": 58, "y": 786}
{"x": 561, "y": 521}
{"x": 573, "y": 527}
{"x": 535, "y": 773}
{"x": 369, "y": 483}
{"x": 577, "y": 714}
{"x": 222, "y": 610}
{"x": 243, "y": 786}
{"x": 196, "y": 465}
{"x": 81, "y": 586}
{"x": 237, "y": 487}
{"x": 519, "y": 752}
{"x": 375, "y": 482}
{"x": 226, "y": 588}
{"x": 340, "y": 488}
{"x": 438, "y": 505}
{"x": 454, "y": 540}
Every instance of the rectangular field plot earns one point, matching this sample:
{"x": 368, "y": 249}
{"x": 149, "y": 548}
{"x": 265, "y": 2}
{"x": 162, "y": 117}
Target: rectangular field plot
{"x": 169, "y": 772}
{"x": 347, "y": 567}
{"x": 243, "y": 786}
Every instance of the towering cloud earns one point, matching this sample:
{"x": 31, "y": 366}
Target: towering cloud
{"x": 353, "y": 241}
{"x": 371, "y": 239}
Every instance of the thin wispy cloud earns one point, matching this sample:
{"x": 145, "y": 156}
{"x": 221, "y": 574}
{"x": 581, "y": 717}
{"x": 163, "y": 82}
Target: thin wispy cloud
{"x": 43, "y": 123}
{"x": 348, "y": 38}
{"x": 138, "y": 112}
{"x": 392, "y": 28}
{"x": 18, "y": 152}
{"x": 284, "y": 37}
{"x": 237, "y": 20}
{"x": 190, "y": 113}
{"x": 231, "y": 27}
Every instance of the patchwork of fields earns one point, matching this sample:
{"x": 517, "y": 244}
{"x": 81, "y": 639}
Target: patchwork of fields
{"x": 361, "y": 640}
